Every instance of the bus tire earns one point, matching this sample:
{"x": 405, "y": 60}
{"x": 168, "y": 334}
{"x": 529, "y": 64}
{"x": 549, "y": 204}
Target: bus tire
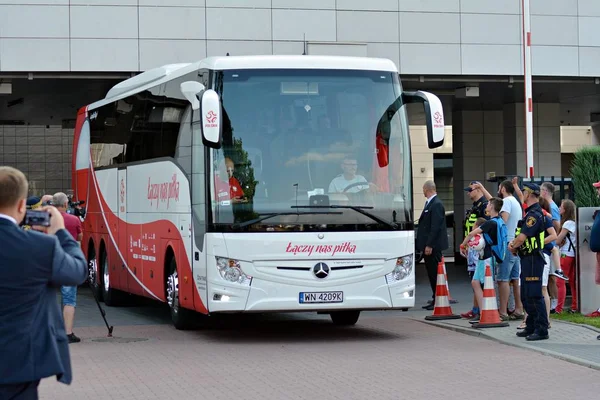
{"x": 181, "y": 317}
{"x": 112, "y": 297}
{"x": 344, "y": 318}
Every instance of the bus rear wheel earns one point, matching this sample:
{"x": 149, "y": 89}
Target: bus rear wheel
{"x": 111, "y": 296}
{"x": 345, "y": 318}
{"x": 181, "y": 317}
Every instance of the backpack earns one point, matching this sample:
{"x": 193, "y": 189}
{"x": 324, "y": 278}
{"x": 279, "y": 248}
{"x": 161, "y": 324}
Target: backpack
{"x": 498, "y": 249}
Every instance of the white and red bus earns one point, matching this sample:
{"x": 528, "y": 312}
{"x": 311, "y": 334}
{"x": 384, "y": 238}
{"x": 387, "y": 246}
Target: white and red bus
{"x": 253, "y": 184}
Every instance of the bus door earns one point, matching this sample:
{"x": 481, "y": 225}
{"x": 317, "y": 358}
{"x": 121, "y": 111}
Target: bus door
{"x": 122, "y": 237}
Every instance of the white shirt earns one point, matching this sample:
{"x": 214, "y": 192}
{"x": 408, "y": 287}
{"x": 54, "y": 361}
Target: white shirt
{"x": 566, "y": 248}
{"x": 429, "y": 199}
{"x": 8, "y": 217}
{"x": 515, "y": 214}
{"x": 339, "y": 183}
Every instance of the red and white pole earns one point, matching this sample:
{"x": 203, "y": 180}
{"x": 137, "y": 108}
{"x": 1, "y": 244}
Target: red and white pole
{"x": 528, "y": 90}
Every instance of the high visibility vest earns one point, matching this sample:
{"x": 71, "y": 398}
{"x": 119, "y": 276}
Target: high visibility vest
{"x": 533, "y": 244}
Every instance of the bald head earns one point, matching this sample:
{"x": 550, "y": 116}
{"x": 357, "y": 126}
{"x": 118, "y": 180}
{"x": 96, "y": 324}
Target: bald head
{"x": 429, "y": 189}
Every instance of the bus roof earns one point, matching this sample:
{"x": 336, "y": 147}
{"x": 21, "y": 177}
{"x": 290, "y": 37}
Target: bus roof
{"x": 158, "y": 76}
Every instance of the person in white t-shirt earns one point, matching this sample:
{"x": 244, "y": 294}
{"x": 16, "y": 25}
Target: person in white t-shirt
{"x": 567, "y": 239}
{"x": 349, "y": 178}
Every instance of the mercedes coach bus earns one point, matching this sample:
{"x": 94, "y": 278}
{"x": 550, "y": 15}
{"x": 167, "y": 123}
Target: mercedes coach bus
{"x": 253, "y": 184}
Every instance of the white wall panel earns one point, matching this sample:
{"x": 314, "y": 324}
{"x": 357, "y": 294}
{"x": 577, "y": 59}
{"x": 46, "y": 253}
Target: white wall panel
{"x": 44, "y": 2}
{"x": 104, "y": 22}
{"x": 491, "y": 60}
{"x": 240, "y": 24}
{"x": 288, "y": 48}
{"x": 238, "y": 48}
{"x": 100, "y": 2}
{"x": 589, "y": 61}
{"x": 172, "y": 23}
{"x": 365, "y": 26}
{"x": 590, "y": 8}
{"x": 385, "y": 50}
{"x": 553, "y": 7}
{"x": 34, "y": 21}
{"x": 293, "y": 24}
{"x": 104, "y": 55}
{"x": 440, "y": 28}
{"x": 555, "y": 60}
{"x": 172, "y": 3}
{"x": 305, "y": 4}
{"x": 337, "y": 49}
{"x": 34, "y": 54}
{"x": 490, "y": 29}
{"x": 371, "y": 5}
{"x": 430, "y": 5}
{"x": 239, "y": 3}
{"x": 588, "y": 31}
{"x": 491, "y": 6}
{"x": 154, "y": 53}
{"x": 554, "y": 31}
{"x": 430, "y": 59}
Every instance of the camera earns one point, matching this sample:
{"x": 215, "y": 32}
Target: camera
{"x": 75, "y": 208}
{"x": 36, "y": 218}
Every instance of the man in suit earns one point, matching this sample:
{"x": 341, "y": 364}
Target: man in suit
{"x": 432, "y": 238}
{"x": 33, "y": 266}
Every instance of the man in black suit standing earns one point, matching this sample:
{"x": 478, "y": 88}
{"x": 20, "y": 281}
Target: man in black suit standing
{"x": 432, "y": 238}
{"x": 33, "y": 267}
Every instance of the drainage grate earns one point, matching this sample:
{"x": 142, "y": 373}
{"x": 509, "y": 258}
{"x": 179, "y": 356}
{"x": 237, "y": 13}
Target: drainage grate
{"x": 118, "y": 340}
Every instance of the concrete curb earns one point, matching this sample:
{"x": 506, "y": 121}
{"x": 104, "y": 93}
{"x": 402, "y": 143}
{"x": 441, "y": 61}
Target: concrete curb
{"x": 482, "y": 334}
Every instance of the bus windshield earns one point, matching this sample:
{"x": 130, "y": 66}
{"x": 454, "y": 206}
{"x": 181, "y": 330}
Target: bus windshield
{"x": 302, "y": 151}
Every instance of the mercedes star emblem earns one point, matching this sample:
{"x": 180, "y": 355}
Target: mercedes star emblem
{"x": 321, "y": 270}
{"x": 320, "y": 236}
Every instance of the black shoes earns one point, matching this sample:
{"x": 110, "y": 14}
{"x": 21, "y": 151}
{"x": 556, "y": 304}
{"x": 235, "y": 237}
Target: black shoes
{"x": 73, "y": 339}
{"x": 532, "y": 336}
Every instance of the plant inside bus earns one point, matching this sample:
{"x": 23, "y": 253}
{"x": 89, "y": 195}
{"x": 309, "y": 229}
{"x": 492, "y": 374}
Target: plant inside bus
{"x": 231, "y": 271}
{"x": 403, "y": 269}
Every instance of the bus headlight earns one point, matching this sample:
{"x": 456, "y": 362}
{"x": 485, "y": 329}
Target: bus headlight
{"x": 403, "y": 269}
{"x": 231, "y": 271}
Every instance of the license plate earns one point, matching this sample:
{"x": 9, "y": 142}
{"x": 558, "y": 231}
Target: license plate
{"x": 321, "y": 297}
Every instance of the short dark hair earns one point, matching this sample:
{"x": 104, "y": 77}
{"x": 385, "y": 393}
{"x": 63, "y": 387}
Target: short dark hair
{"x": 497, "y": 203}
{"x": 13, "y": 187}
{"x": 508, "y": 186}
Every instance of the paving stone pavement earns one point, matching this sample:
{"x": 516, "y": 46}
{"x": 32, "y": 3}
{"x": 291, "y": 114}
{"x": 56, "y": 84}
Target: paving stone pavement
{"x": 382, "y": 357}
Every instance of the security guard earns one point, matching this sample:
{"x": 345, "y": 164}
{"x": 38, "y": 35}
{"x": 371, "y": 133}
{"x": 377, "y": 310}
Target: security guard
{"x": 477, "y": 210}
{"x": 529, "y": 243}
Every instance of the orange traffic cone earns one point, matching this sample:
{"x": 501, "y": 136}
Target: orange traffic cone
{"x": 441, "y": 309}
{"x": 490, "y": 317}
{"x": 452, "y": 301}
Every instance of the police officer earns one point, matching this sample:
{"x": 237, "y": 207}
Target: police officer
{"x": 532, "y": 231}
{"x": 478, "y": 208}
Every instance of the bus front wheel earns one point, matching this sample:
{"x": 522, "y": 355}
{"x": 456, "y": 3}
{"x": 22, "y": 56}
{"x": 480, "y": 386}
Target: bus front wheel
{"x": 181, "y": 317}
{"x": 344, "y": 318}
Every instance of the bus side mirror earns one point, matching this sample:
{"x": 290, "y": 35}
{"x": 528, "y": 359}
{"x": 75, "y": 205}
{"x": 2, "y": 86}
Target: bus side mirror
{"x": 434, "y": 115}
{"x": 209, "y": 105}
{"x": 191, "y": 90}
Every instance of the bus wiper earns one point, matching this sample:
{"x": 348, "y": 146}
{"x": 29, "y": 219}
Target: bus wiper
{"x": 270, "y": 215}
{"x": 360, "y": 210}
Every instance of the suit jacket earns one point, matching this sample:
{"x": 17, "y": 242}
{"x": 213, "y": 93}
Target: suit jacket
{"x": 432, "y": 227}
{"x": 33, "y": 266}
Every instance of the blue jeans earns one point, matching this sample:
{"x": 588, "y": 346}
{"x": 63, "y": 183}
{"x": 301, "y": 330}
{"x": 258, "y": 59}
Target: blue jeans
{"x": 69, "y": 295}
{"x": 509, "y": 269}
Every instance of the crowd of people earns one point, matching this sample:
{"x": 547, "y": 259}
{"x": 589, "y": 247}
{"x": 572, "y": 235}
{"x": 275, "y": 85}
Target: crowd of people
{"x": 526, "y": 239}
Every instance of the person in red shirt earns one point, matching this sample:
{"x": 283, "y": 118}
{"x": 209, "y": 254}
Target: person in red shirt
{"x": 227, "y": 187}
{"x": 69, "y": 293}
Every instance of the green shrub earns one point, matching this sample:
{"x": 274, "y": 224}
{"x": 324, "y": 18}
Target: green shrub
{"x": 585, "y": 170}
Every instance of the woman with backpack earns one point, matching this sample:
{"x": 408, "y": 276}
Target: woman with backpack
{"x": 567, "y": 239}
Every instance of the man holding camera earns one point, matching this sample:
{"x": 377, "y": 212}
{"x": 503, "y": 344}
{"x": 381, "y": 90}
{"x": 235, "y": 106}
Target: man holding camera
{"x": 69, "y": 293}
{"x": 33, "y": 342}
